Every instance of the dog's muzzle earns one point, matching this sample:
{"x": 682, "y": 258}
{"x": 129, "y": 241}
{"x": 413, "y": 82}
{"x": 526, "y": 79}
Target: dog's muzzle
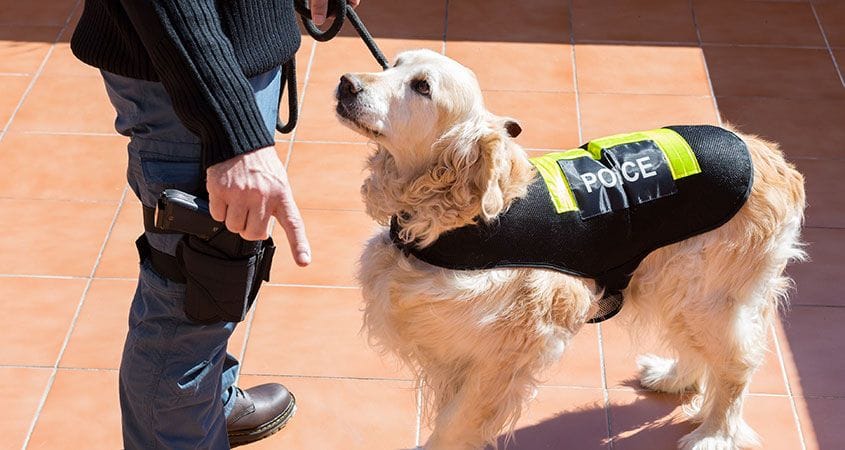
{"x": 348, "y": 102}
{"x": 349, "y": 87}
{"x": 347, "y": 96}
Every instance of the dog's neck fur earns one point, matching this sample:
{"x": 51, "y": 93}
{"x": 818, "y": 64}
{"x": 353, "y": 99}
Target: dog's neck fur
{"x": 456, "y": 187}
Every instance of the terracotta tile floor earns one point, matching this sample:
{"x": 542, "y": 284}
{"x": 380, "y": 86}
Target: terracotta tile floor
{"x": 567, "y": 70}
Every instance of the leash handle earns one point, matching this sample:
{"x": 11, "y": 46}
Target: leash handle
{"x": 341, "y": 11}
{"x": 338, "y": 8}
{"x": 288, "y": 82}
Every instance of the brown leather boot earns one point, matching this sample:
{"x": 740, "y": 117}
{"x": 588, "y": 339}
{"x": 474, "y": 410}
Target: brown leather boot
{"x": 259, "y": 412}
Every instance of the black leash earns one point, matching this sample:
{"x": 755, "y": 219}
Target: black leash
{"x": 341, "y": 11}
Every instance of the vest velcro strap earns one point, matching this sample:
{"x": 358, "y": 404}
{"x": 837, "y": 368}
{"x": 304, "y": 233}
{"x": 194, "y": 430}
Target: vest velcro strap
{"x": 163, "y": 264}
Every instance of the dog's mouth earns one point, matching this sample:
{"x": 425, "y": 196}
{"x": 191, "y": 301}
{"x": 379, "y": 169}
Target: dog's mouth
{"x": 343, "y": 111}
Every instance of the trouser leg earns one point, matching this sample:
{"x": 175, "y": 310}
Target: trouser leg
{"x": 176, "y": 377}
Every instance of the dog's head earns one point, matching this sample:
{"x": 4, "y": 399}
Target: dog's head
{"x": 444, "y": 161}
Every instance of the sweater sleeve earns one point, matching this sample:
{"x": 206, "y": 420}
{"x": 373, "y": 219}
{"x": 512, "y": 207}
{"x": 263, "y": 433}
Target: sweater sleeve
{"x": 197, "y": 66}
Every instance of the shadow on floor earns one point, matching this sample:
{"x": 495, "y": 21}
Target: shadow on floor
{"x": 645, "y": 423}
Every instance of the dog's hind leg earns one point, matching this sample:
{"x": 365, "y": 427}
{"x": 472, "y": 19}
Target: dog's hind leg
{"x": 485, "y": 397}
{"x": 488, "y": 399}
{"x": 671, "y": 375}
{"x": 733, "y": 341}
{"x": 732, "y": 354}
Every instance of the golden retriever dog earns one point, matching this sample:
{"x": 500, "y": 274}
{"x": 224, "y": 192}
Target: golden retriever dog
{"x": 478, "y": 340}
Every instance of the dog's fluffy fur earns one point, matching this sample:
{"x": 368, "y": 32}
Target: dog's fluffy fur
{"x": 478, "y": 340}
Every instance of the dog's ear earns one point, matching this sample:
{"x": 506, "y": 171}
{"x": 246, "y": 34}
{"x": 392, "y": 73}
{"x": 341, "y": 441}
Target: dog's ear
{"x": 462, "y": 185}
{"x": 512, "y": 127}
{"x": 381, "y": 190}
{"x": 477, "y": 173}
{"x": 493, "y": 167}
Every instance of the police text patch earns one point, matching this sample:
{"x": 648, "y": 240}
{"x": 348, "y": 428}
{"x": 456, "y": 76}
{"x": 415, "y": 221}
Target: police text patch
{"x": 626, "y": 175}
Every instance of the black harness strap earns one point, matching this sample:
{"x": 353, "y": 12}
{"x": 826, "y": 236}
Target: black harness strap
{"x": 341, "y": 11}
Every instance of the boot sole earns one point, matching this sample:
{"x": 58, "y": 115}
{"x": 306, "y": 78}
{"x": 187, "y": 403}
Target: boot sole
{"x": 238, "y": 438}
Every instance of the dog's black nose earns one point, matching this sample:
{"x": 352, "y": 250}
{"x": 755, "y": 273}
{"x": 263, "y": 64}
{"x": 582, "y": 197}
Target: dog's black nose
{"x": 349, "y": 86}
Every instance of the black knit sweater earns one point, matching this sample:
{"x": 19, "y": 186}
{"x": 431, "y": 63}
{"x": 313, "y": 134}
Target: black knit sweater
{"x": 202, "y": 51}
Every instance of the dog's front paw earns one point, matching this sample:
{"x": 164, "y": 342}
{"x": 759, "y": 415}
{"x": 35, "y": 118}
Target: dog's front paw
{"x": 745, "y": 437}
{"x": 694, "y": 442}
{"x": 661, "y": 374}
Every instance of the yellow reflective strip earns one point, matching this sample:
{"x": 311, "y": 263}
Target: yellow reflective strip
{"x": 682, "y": 161}
{"x": 571, "y": 154}
{"x": 595, "y": 147}
{"x": 559, "y": 189}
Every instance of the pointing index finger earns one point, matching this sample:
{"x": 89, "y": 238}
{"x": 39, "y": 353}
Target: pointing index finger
{"x": 290, "y": 219}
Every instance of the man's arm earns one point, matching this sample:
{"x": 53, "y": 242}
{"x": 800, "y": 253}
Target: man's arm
{"x": 196, "y": 64}
{"x": 195, "y": 61}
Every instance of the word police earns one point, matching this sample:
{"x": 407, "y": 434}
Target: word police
{"x": 630, "y": 171}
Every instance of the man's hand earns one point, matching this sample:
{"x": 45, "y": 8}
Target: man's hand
{"x": 247, "y": 191}
{"x": 320, "y": 7}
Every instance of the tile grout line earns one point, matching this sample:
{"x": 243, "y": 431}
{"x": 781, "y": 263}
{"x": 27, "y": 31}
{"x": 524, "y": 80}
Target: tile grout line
{"x": 70, "y": 133}
{"x": 25, "y": 366}
{"x": 574, "y": 73}
{"x": 445, "y": 31}
{"x": 603, "y": 371}
{"x": 827, "y": 44}
{"x": 38, "y": 367}
{"x": 362, "y": 143}
{"x": 301, "y": 101}
{"x": 3, "y": 132}
{"x": 38, "y": 72}
{"x": 801, "y": 305}
{"x": 247, "y": 331}
{"x": 74, "y": 319}
{"x": 77, "y": 277}
{"x": 61, "y": 200}
{"x": 354, "y": 378}
{"x": 789, "y": 393}
{"x": 325, "y": 377}
{"x": 43, "y": 277}
{"x": 694, "y": 44}
{"x": 313, "y": 286}
{"x": 418, "y": 433}
{"x": 604, "y": 390}
{"x": 704, "y": 62}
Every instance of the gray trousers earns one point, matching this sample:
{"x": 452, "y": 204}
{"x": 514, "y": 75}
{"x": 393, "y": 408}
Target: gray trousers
{"x": 176, "y": 377}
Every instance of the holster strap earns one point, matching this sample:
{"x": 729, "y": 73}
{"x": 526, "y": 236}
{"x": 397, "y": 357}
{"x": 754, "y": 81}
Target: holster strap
{"x": 150, "y": 222}
{"x": 165, "y": 265}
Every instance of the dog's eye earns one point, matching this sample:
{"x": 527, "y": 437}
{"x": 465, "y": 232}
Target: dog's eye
{"x": 421, "y": 87}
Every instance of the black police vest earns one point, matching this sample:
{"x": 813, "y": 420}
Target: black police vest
{"x": 599, "y": 210}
